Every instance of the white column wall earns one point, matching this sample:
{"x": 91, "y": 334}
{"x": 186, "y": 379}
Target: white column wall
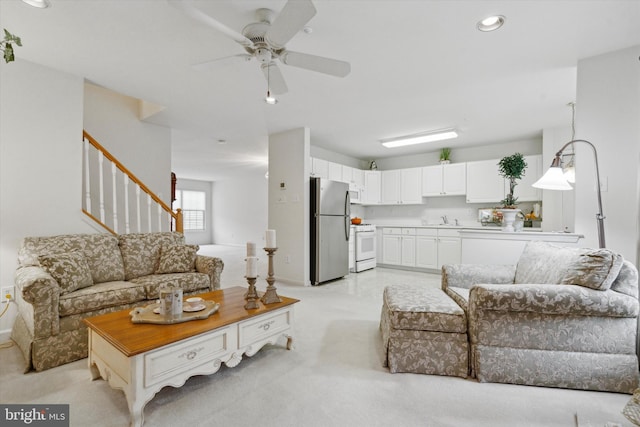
{"x": 289, "y": 163}
{"x": 40, "y": 161}
{"x": 608, "y": 115}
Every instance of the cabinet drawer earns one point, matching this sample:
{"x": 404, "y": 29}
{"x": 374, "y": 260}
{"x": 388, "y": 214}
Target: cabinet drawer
{"x": 389, "y": 230}
{"x": 427, "y": 232}
{"x": 408, "y": 231}
{"x": 448, "y": 233}
{"x": 174, "y": 359}
{"x": 255, "y": 330}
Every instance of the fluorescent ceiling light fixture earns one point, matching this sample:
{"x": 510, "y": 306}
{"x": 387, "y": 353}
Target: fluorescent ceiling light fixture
{"x": 42, "y": 4}
{"x": 491, "y": 23}
{"x": 420, "y": 138}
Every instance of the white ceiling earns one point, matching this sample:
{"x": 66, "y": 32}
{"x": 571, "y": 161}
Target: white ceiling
{"x": 416, "y": 66}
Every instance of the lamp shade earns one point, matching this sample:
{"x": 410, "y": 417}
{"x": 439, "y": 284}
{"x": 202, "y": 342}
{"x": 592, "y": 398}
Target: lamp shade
{"x": 553, "y": 180}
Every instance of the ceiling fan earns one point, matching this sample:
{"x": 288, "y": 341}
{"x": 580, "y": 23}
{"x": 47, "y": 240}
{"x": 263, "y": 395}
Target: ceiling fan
{"x": 265, "y": 41}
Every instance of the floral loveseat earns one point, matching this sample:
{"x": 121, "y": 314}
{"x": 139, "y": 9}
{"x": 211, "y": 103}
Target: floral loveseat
{"x": 562, "y": 317}
{"x": 61, "y": 280}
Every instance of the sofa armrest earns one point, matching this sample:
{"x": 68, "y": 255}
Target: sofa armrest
{"x": 552, "y": 299}
{"x": 467, "y": 275}
{"x": 38, "y": 289}
{"x": 211, "y": 266}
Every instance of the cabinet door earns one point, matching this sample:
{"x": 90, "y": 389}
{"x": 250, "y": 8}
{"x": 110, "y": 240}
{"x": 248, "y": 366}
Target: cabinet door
{"x": 409, "y": 251}
{"x": 358, "y": 177}
{"x": 454, "y": 179}
{"x": 390, "y": 187}
{"x": 484, "y": 184}
{"x": 371, "y": 187}
{"x": 432, "y": 181}
{"x": 524, "y": 191}
{"x": 391, "y": 249}
{"x": 449, "y": 251}
{"x": 427, "y": 251}
{"x": 410, "y": 185}
{"x": 347, "y": 174}
{"x": 319, "y": 168}
{"x": 335, "y": 171}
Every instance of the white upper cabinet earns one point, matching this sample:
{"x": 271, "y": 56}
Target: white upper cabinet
{"x": 319, "y": 168}
{"x": 484, "y": 183}
{"x": 335, "y": 171}
{"x": 371, "y": 194}
{"x": 444, "y": 180}
{"x": 402, "y": 186}
{"x": 347, "y": 174}
{"x": 358, "y": 177}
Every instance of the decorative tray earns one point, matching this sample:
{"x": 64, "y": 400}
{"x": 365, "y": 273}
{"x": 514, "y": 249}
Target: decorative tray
{"x": 149, "y": 314}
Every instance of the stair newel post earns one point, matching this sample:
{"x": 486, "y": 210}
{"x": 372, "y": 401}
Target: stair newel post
{"x": 179, "y": 227}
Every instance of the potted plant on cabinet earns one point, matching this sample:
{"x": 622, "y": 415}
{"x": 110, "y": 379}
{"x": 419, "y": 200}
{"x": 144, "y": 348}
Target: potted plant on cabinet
{"x": 512, "y": 168}
{"x": 6, "y": 45}
{"x": 445, "y": 156}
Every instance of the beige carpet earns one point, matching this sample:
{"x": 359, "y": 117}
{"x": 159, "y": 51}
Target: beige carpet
{"x": 332, "y": 377}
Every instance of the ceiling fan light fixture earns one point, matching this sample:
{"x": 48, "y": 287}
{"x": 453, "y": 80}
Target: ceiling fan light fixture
{"x": 491, "y": 23}
{"x": 40, "y": 4}
{"x": 270, "y": 99}
{"x": 420, "y": 138}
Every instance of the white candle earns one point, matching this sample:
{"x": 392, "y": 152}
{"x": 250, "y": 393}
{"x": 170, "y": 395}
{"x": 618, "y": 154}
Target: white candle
{"x": 271, "y": 239}
{"x": 251, "y": 249}
{"x": 252, "y": 267}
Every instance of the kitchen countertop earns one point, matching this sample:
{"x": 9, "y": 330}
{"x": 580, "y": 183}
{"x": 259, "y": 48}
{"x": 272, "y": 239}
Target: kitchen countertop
{"x": 490, "y": 228}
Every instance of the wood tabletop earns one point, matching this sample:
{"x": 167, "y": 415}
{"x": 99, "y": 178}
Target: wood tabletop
{"x": 135, "y": 338}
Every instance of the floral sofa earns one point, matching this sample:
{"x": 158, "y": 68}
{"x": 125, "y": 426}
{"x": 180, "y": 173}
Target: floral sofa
{"x": 61, "y": 280}
{"x": 562, "y": 317}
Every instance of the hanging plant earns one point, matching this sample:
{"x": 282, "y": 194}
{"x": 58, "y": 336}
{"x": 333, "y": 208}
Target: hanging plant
{"x": 512, "y": 168}
{"x": 6, "y": 45}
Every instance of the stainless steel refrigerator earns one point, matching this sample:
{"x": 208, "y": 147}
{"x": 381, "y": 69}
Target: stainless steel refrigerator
{"x": 330, "y": 222}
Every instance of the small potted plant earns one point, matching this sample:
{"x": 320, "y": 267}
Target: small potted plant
{"x": 6, "y": 45}
{"x": 512, "y": 168}
{"x": 445, "y": 156}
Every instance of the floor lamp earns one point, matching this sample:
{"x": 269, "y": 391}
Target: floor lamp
{"x": 554, "y": 180}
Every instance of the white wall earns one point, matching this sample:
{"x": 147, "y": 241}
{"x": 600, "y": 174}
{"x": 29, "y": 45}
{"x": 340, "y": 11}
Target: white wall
{"x": 199, "y": 237}
{"x": 290, "y": 163}
{"x": 608, "y": 115}
{"x": 239, "y": 210}
{"x": 143, "y": 148}
{"x": 40, "y": 160}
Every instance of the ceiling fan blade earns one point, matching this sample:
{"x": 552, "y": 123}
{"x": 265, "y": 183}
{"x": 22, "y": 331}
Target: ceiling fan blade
{"x": 199, "y": 15}
{"x": 320, "y": 64}
{"x": 274, "y": 77}
{"x": 204, "y": 66}
{"x": 293, "y": 17}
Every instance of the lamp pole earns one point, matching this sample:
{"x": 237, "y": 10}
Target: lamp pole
{"x": 599, "y": 215}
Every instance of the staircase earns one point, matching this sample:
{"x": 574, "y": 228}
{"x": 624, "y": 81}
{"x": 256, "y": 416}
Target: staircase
{"x": 117, "y": 200}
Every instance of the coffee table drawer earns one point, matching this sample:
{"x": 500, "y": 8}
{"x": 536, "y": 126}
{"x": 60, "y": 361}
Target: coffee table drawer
{"x": 171, "y": 360}
{"x": 255, "y": 330}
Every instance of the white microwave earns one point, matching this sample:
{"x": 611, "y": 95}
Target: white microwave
{"x": 355, "y": 194}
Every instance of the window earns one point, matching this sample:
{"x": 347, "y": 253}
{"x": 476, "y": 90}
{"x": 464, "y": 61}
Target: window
{"x": 193, "y": 205}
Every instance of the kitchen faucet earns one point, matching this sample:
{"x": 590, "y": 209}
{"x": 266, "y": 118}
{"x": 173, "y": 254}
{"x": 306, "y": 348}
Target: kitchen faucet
{"x": 445, "y": 219}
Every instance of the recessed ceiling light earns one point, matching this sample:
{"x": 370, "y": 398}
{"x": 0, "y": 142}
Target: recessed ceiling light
{"x": 42, "y": 4}
{"x": 491, "y": 23}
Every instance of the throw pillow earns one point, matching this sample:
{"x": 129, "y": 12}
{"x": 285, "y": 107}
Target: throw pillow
{"x": 177, "y": 259}
{"x": 595, "y": 269}
{"x": 70, "y": 270}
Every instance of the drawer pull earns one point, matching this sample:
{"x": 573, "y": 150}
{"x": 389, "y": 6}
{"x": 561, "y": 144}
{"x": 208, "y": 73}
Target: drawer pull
{"x": 265, "y": 326}
{"x": 191, "y": 354}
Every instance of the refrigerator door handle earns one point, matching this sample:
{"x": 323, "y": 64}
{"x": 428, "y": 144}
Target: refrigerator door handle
{"x": 347, "y": 216}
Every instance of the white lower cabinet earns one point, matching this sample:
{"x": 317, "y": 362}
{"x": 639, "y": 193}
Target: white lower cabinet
{"x": 420, "y": 247}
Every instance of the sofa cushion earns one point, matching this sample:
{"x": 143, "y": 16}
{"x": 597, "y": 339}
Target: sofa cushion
{"x": 141, "y": 251}
{"x": 545, "y": 263}
{"x": 177, "y": 259}
{"x": 188, "y": 282}
{"x": 70, "y": 270}
{"x": 104, "y": 257}
{"x": 423, "y": 308}
{"x": 100, "y": 296}
{"x": 595, "y": 269}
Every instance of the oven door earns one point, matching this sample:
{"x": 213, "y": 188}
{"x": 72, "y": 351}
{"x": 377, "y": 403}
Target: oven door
{"x": 365, "y": 245}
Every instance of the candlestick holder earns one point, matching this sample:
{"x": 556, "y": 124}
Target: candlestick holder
{"x": 252, "y": 295}
{"x": 270, "y": 296}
